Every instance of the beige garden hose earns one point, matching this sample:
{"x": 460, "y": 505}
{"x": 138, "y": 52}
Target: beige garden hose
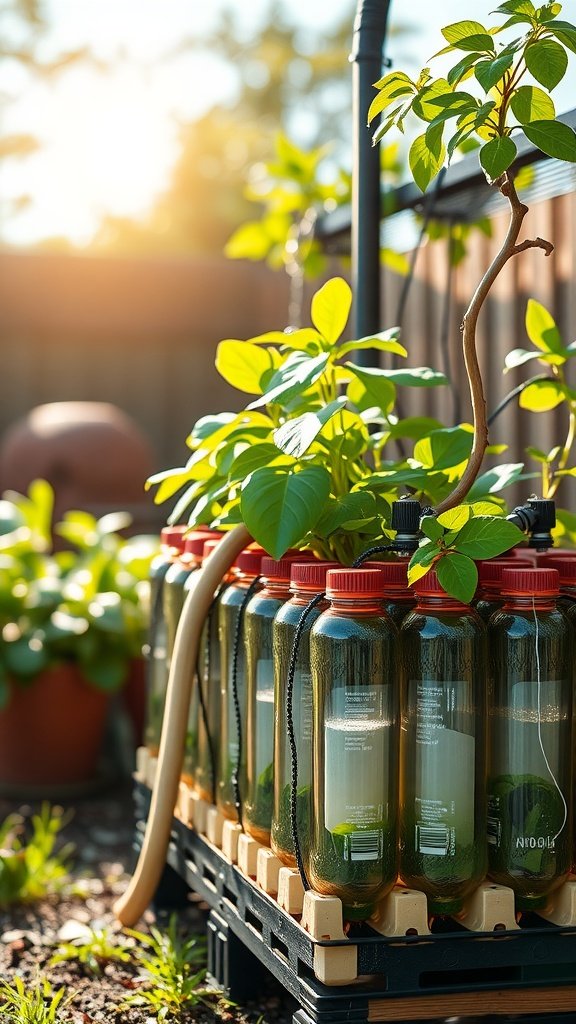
{"x": 132, "y": 904}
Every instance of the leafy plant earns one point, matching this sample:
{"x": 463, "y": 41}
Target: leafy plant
{"x": 503, "y": 108}
{"x": 30, "y": 866}
{"x": 169, "y": 968}
{"x": 37, "y": 1005}
{"x": 86, "y": 604}
{"x": 100, "y": 946}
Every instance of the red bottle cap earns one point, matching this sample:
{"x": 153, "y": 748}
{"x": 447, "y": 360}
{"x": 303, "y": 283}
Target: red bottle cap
{"x": 538, "y": 582}
{"x": 429, "y": 585}
{"x": 194, "y": 542}
{"x": 310, "y": 575}
{"x": 491, "y": 570}
{"x": 173, "y": 536}
{"x": 395, "y": 573}
{"x": 354, "y": 583}
{"x": 566, "y": 567}
{"x": 279, "y": 569}
{"x": 209, "y": 546}
{"x": 249, "y": 562}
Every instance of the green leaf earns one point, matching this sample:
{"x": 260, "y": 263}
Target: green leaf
{"x": 495, "y": 480}
{"x": 462, "y": 69}
{"x": 280, "y": 507}
{"x": 541, "y": 328}
{"x": 243, "y": 365}
{"x": 554, "y": 139}
{"x": 517, "y": 7}
{"x": 422, "y": 560}
{"x": 519, "y": 356}
{"x": 397, "y": 262}
{"x": 426, "y": 157}
{"x": 497, "y": 155}
{"x": 331, "y": 307}
{"x": 489, "y": 72}
{"x": 293, "y": 378}
{"x": 565, "y": 33}
{"x": 542, "y": 396}
{"x": 445, "y": 448}
{"x": 107, "y": 672}
{"x": 396, "y": 84}
{"x": 254, "y": 457}
{"x": 414, "y": 427}
{"x": 468, "y": 35}
{"x": 386, "y": 341}
{"x": 296, "y": 435}
{"x": 431, "y": 528}
{"x": 455, "y": 518}
{"x": 346, "y": 512}
{"x": 487, "y": 537}
{"x": 547, "y": 61}
{"x": 424, "y": 105}
{"x": 529, "y": 103}
{"x": 25, "y": 657}
{"x": 376, "y": 388}
{"x": 458, "y": 575}
{"x": 417, "y": 377}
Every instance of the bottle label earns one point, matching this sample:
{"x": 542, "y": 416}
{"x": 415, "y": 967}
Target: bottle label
{"x": 356, "y": 769}
{"x": 264, "y": 730}
{"x": 527, "y": 805}
{"x": 444, "y": 765}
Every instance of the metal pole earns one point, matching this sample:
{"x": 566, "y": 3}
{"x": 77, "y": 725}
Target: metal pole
{"x": 366, "y": 57}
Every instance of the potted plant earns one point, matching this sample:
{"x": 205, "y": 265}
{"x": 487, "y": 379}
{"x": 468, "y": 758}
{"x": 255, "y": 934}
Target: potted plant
{"x": 73, "y": 625}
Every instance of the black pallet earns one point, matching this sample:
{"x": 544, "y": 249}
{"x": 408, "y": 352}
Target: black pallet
{"x": 248, "y": 928}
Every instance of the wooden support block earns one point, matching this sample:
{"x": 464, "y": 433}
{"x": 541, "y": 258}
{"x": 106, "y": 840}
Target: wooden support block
{"x": 267, "y": 871}
{"x": 490, "y": 908}
{"x": 151, "y": 771}
{"x": 322, "y": 916}
{"x": 336, "y": 965}
{"x": 214, "y": 825}
{"x": 561, "y": 907}
{"x": 248, "y": 855}
{"x": 198, "y": 812}
{"x": 402, "y": 912}
{"x": 142, "y": 758}
{"x": 290, "y": 891}
{"x": 184, "y": 803}
{"x": 231, "y": 831}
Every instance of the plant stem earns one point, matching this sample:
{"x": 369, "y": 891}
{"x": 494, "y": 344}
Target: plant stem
{"x": 565, "y": 452}
{"x": 510, "y": 247}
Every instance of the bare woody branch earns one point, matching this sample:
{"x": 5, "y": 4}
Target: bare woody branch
{"x": 510, "y": 247}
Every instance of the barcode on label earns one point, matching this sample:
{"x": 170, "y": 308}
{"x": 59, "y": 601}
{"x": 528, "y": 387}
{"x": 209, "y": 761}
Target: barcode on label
{"x": 432, "y": 839}
{"x": 364, "y": 845}
{"x": 493, "y": 831}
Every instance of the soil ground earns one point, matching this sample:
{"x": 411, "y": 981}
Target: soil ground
{"x": 101, "y": 830}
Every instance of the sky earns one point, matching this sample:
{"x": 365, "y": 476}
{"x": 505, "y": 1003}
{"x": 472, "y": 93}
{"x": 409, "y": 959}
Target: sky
{"x": 109, "y": 139}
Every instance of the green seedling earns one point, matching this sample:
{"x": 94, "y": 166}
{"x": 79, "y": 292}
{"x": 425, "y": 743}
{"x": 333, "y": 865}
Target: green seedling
{"x": 171, "y": 973}
{"x": 40, "y": 1004}
{"x": 31, "y": 868}
{"x": 100, "y": 946}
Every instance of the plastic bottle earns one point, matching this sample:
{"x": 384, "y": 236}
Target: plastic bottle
{"x": 443, "y": 748}
{"x": 399, "y": 598}
{"x": 566, "y": 567}
{"x": 171, "y": 545}
{"x": 356, "y": 679}
{"x": 259, "y": 615}
{"x": 244, "y": 572}
{"x": 208, "y": 731}
{"x": 530, "y": 738}
{"x": 306, "y": 580}
{"x": 488, "y": 596}
{"x": 192, "y": 562}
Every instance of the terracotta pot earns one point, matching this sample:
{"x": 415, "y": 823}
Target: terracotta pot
{"x": 51, "y": 731}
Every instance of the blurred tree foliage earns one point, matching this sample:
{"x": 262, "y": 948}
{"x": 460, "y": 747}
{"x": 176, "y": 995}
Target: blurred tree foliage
{"x": 289, "y": 80}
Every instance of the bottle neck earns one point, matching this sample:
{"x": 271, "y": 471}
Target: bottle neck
{"x": 303, "y": 597}
{"x": 370, "y": 605}
{"x": 440, "y": 603}
{"x": 277, "y": 589}
{"x": 529, "y": 602}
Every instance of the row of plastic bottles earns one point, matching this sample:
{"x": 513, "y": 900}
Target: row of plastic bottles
{"x": 433, "y": 740}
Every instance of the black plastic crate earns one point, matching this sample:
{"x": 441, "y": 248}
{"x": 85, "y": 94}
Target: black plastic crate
{"x": 529, "y": 973}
